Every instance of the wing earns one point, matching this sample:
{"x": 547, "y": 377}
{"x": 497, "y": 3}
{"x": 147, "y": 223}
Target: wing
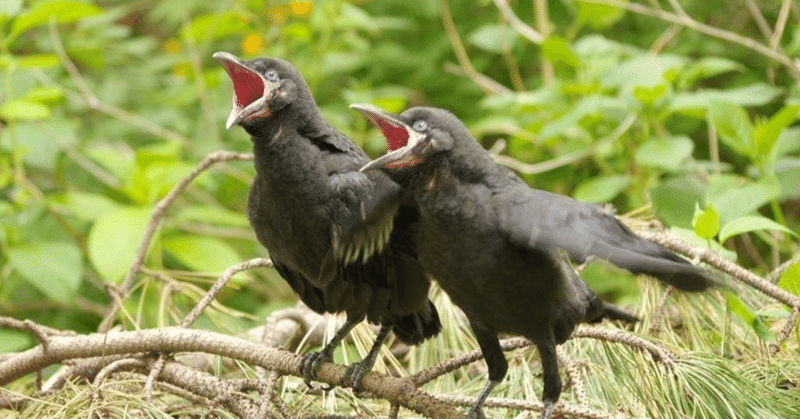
{"x": 541, "y": 219}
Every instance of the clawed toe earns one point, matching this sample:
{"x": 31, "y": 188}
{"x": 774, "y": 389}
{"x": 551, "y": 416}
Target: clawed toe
{"x": 353, "y": 376}
{"x": 310, "y": 364}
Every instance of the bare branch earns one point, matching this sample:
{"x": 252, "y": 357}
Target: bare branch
{"x": 791, "y": 65}
{"x": 758, "y": 17}
{"x": 780, "y": 25}
{"x": 175, "y": 339}
{"x": 713, "y": 259}
{"x": 523, "y": 29}
{"x": 91, "y": 100}
{"x": 462, "y": 56}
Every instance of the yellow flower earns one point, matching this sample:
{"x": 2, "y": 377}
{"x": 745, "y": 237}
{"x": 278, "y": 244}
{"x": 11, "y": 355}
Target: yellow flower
{"x": 172, "y": 46}
{"x": 252, "y": 44}
{"x": 277, "y": 14}
{"x": 181, "y": 69}
{"x": 301, "y": 8}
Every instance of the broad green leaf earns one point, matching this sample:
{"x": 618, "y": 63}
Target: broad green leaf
{"x": 705, "y": 222}
{"x": 649, "y": 95}
{"x": 41, "y": 142}
{"x": 203, "y": 254}
{"x": 599, "y": 16}
{"x": 13, "y": 341}
{"x": 643, "y": 70}
{"x": 86, "y": 205}
{"x": 787, "y": 170}
{"x": 10, "y": 8}
{"x": 23, "y": 110}
{"x": 750, "y": 223}
{"x": 601, "y": 189}
{"x": 734, "y": 197}
{"x": 211, "y": 26}
{"x": 766, "y": 134}
{"x": 63, "y": 11}
{"x": 790, "y": 280}
{"x": 695, "y": 103}
{"x": 38, "y": 61}
{"x": 54, "y": 268}
{"x": 733, "y": 125}
{"x": 665, "y": 153}
{"x": 114, "y": 239}
{"x": 493, "y": 37}
{"x": 209, "y": 215}
{"x": 743, "y": 311}
{"x": 556, "y": 50}
{"x": 675, "y": 200}
{"x": 709, "y": 67}
{"x": 44, "y": 94}
{"x": 751, "y": 95}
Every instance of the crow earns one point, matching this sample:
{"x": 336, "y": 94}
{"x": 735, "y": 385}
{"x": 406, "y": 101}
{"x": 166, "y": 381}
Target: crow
{"x": 307, "y": 183}
{"x": 501, "y": 250}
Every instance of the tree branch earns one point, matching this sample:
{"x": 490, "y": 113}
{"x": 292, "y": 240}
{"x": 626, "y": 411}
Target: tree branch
{"x": 176, "y": 339}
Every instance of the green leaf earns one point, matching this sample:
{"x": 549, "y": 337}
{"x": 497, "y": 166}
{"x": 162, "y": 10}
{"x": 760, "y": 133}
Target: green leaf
{"x": 709, "y": 67}
{"x": 209, "y": 215}
{"x": 556, "y": 50}
{"x": 10, "y": 8}
{"x": 38, "y": 61}
{"x": 23, "y": 110}
{"x": 733, "y": 196}
{"x": 13, "y": 341}
{"x": 790, "y": 280}
{"x": 114, "y": 239}
{"x": 665, "y": 153}
{"x": 705, "y": 222}
{"x": 63, "y": 11}
{"x": 675, "y": 199}
{"x": 87, "y": 206}
{"x": 743, "y": 311}
{"x": 216, "y": 26}
{"x": 695, "y": 103}
{"x": 733, "y": 125}
{"x": 493, "y": 38}
{"x": 203, "y": 254}
{"x": 599, "y": 16}
{"x": 44, "y": 94}
{"x": 54, "y": 268}
{"x": 649, "y": 95}
{"x": 766, "y": 134}
{"x": 750, "y": 223}
{"x": 601, "y": 189}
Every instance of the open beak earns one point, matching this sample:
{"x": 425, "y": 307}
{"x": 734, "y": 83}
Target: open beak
{"x": 405, "y": 144}
{"x": 251, "y": 91}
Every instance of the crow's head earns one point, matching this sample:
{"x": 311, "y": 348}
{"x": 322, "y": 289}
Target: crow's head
{"x": 262, "y": 88}
{"x": 414, "y": 137}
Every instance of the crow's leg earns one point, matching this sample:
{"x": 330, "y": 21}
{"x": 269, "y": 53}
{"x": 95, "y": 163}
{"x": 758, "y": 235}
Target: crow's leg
{"x": 311, "y": 362}
{"x": 355, "y": 371}
{"x": 495, "y": 360}
{"x": 552, "y": 381}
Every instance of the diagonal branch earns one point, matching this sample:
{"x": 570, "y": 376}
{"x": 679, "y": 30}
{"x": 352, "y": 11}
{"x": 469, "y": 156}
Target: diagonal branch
{"x": 155, "y": 221}
{"x": 685, "y": 20}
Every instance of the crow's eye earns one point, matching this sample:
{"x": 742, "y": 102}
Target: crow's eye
{"x": 420, "y": 126}
{"x": 272, "y": 75}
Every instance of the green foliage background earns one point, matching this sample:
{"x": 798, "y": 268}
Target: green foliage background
{"x": 105, "y": 105}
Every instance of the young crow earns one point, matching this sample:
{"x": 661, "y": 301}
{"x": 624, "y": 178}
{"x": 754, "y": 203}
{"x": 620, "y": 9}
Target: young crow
{"x": 307, "y": 183}
{"x": 500, "y": 249}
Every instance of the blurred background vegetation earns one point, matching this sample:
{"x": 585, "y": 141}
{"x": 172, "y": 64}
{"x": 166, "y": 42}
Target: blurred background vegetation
{"x": 654, "y": 107}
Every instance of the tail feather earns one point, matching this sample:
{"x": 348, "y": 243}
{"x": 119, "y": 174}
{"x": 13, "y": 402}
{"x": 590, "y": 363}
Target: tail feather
{"x": 418, "y": 326}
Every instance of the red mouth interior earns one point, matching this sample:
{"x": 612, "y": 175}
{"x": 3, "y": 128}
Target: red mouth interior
{"x": 396, "y": 135}
{"x": 247, "y": 86}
